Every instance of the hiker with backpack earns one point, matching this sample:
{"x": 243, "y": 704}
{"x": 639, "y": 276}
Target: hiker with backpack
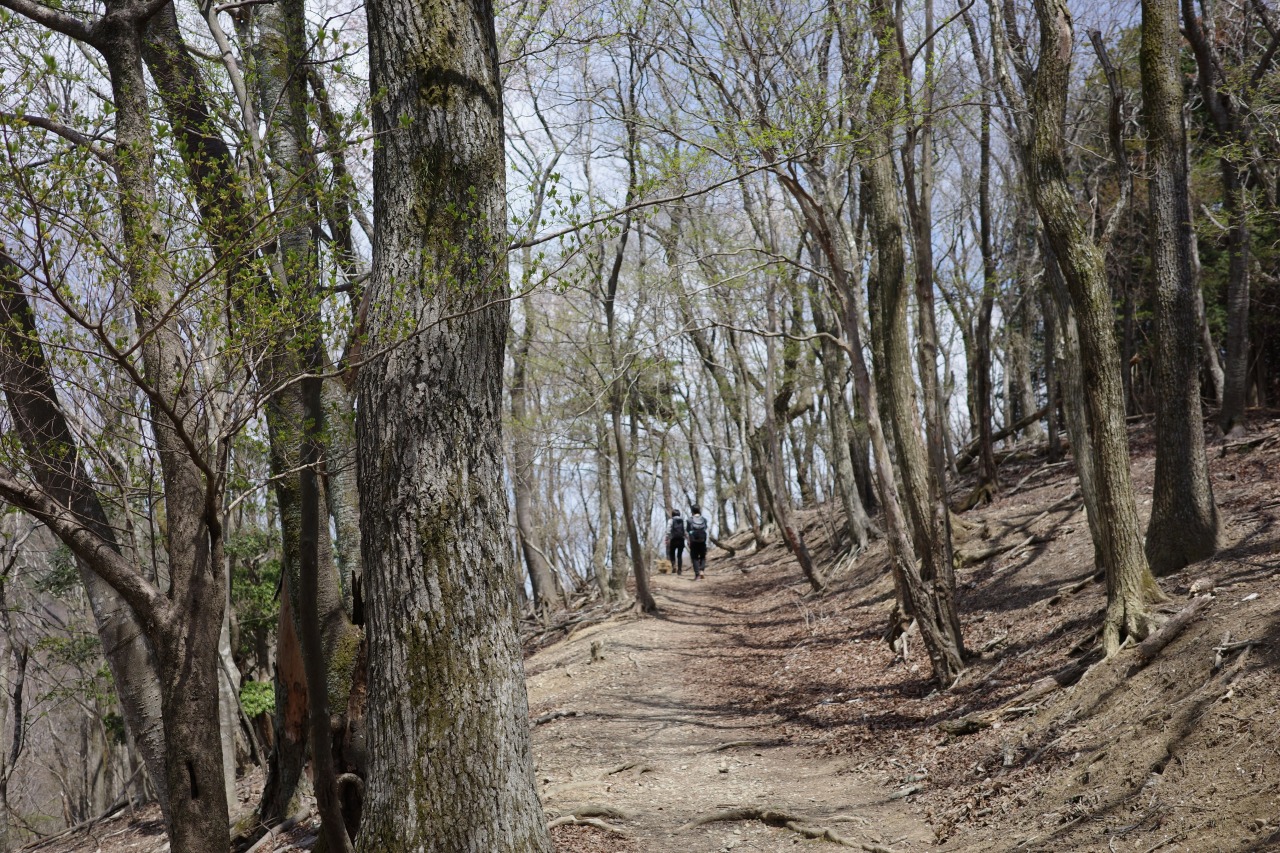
{"x": 675, "y": 542}
{"x": 696, "y": 530}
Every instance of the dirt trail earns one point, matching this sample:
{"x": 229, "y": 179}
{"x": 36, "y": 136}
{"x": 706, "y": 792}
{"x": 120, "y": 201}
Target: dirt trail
{"x": 689, "y": 753}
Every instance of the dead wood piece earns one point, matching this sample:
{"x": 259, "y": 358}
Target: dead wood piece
{"x": 970, "y": 452}
{"x": 968, "y": 558}
{"x": 278, "y": 830}
{"x": 966, "y": 725}
{"x": 636, "y": 767}
{"x": 1042, "y": 688}
{"x": 1247, "y": 444}
{"x": 570, "y": 820}
{"x": 992, "y": 643}
{"x": 982, "y": 494}
{"x": 1151, "y": 646}
{"x": 555, "y": 715}
{"x": 1072, "y": 589}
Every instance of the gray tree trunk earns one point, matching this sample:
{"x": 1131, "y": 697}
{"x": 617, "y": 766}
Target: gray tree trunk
{"x": 889, "y": 302}
{"x": 1184, "y": 519}
{"x": 840, "y": 420}
{"x": 1129, "y": 581}
{"x": 450, "y": 762}
{"x": 545, "y": 594}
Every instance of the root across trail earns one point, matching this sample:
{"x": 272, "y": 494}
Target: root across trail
{"x": 652, "y": 759}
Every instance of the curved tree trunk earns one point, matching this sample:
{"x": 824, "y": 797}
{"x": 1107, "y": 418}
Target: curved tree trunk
{"x": 1129, "y": 581}
{"x": 49, "y": 448}
{"x": 1184, "y": 519}
{"x": 450, "y": 762}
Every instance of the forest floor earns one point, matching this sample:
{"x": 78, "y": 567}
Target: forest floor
{"x": 786, "y": 715}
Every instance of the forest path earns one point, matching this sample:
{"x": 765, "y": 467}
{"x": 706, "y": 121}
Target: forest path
{"x": 691, "y": 753}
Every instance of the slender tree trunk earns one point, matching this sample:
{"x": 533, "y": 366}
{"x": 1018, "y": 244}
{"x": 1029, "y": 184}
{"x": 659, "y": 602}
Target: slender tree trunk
{"x": 857, "y": 523}
{"x": 1129, "y": 581}
{"x": 50, "y": 450}
{"x": 1184, "y": 519}
{"x": 1236, "y": 369}
{"x": 450, "y": 761}
{"x": 988, "y": 471}
{"x": 770, "y": 443}
{"x": 545, "y": 595}
{"x": 889, "y": 305}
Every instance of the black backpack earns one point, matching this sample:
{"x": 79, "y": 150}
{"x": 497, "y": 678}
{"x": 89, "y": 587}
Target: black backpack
{"x": 677, "y": 529}
{"x": 698, "y": 530}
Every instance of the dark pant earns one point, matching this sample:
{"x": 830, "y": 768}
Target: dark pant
{"x": 698, "y": 556}
{"x": 675, "y": 553}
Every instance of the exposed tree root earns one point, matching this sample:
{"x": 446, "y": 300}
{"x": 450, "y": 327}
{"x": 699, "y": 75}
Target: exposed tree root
{"x": 597, "y": 810}
{"x": 783, "y": 820}
{"x": 572, "y": 820}
{"x": 734, "y": 744}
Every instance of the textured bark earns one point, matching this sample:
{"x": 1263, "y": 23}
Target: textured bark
{"x": 1073, "y": 399}
{"x": 313, "y": 540}
{"x": 1184, "y": 519}
{"x": 918, "y": 183}
{"x": 450, "y": 762}
{"x": 186, "y": 643}
{"x": 935, "y": 604}
{"x": 295, "y": 410}
{"x": 1129, "y": 580}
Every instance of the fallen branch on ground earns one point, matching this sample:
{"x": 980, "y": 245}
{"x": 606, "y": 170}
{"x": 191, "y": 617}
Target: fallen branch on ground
{"x": 970, "y": 452}
{"x": 1248, "y": 443}
{"x": 981, "y": 555}
{"x": 1021, "y": 704}
{"x": 554, "y": 715}
{"x": 278, "y": 830}
{"x": 596, "y": 810}
{"x": 1151, "y": 646}
{"x": 630, "y": 765}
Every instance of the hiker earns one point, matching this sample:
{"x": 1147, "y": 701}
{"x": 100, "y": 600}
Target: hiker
{"x": 697, "y": 533}
{"x": 675, "y": 542}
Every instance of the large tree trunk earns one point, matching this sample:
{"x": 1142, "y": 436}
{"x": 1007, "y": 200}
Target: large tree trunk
{"x": 450, "y": 762}
{"x": 1129, "y": 581}
{"x": 1184, "y": 520}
